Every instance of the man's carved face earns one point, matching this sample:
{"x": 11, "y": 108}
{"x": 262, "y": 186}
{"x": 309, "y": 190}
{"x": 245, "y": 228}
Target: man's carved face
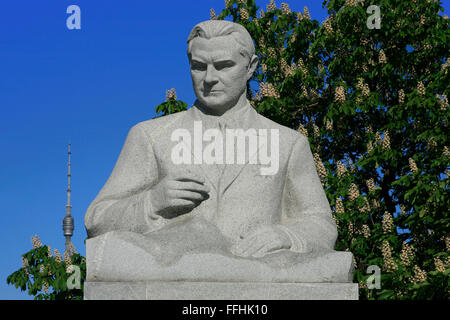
{"x": 219, "y": 72}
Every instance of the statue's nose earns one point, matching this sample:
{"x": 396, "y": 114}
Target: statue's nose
{"x": 211, "y": 76}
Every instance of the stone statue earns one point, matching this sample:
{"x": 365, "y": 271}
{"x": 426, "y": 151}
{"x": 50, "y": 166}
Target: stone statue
{"x": 217, "y": 193}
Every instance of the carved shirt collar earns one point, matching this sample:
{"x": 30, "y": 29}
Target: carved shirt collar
{"x": 241, "y": 118}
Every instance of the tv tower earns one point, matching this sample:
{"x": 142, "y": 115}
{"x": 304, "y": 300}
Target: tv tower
{"x": 68, "y": 224}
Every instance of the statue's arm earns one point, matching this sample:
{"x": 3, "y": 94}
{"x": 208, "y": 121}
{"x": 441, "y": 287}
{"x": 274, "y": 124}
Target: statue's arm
{"x": 306, "y": 214}
{"x": 123, "y": 203}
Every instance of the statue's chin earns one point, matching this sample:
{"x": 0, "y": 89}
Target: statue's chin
{"x": 215, "y": 103}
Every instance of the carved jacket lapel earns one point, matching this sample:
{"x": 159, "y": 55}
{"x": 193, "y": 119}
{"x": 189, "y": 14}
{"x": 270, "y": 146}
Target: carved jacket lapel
{"x": 232, "y": 171}
{"x": 202, "y": 169}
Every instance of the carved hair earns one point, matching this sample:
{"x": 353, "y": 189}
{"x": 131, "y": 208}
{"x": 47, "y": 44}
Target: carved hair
{"x": 217, "y": 28}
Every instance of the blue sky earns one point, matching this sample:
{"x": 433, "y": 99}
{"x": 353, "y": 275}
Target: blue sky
{"x": 89, "y": 86}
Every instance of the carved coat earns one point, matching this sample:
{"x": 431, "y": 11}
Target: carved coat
{"x": 241, "y": 199}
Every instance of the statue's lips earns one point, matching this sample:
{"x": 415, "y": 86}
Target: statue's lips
{"x": 213, "y": 92}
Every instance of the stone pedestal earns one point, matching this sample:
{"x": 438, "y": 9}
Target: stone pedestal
{"x": 120, "y": 266}
{"x": 183, "y": 290}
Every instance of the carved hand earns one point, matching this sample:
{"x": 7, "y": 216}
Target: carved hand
{"x": 178, "y": 194}
{"x": 262, "y": 241}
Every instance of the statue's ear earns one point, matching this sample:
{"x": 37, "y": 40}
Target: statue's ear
{"x": 252, "y": 66}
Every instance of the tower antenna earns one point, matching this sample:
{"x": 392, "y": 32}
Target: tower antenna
{"x": 68, "y": 222}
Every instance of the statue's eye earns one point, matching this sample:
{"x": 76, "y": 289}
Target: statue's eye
{"x": 223, "y": 65}
{"x": 198, "y": 66}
